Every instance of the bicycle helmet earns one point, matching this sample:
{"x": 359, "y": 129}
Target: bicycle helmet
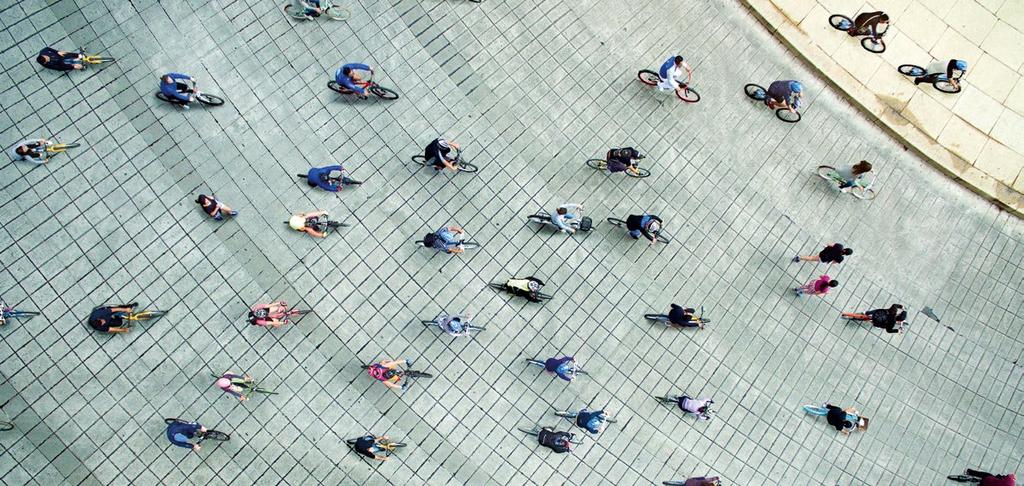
{"x": 653, "y": 227}
{"x": 533, "y": 286}
{"x": 441, "y": 142}
{"x": 961, "y": 65}
{"x": 455, "y": 325}
{"x": 796, "y": 87}
{"x": 297, "y": 222}
{"x": 594, "y": 424}
{"x": 223, "y": 383}
{"x": 260, "y": 313}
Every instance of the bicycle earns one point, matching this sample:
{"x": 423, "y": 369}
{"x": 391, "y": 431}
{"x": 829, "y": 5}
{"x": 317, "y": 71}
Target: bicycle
{"x": 460, "y": 164}
{"x": 502, "y": 288}
{"x": 5, "y": 426}
{"x": 683, "y": 483}
{"x": 9, "y": 312}
{"x": 938, "y": 81}
{"x": 406, "y": 373}
{"x": 674, "y": 400}
{"x": 204, "y": 98}
{"x": 651, "y": 78}
{"x": 344, "y": 181}
{"x": 286, "y": 316}
{"x": 602, "y": 165}
{"x": 571, "y": 417}
{"x": 758, "y": 93}
{"x": 251, "y": 387}
{"x": 869, "y": 42}
{"x": 575, "y": 369}
{"x": 322, "y": 225}
{"x": 59, "y": 148}
{"x": 145, "y": 315}
{"x": 466, "y": 245}
{"x": 621, "y": 223}
{"x": 383, "y": 443}
{"x": 469, "y": 328}
{"x": 583, "y": 224}
{"x": 697, "y": 321}
{"x": 327, "y": 9}
{"x": 535, "y": 431}
{"x": 857, "y": 316}
{"x": 94, "y": 59}
{"x": 210, "y": 434}
{"x": 963, "y": 478}
{"x": 370, "y": 85}
{"x": 858, "y": 190}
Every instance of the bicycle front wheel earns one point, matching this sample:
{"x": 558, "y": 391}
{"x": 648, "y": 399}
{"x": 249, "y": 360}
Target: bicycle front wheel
{"x": 656, "y": 317}
{"x": 467, "y": 167}
{"x": 209, "y": 99}
{"x": 599, "y": 164}
{"x": 865, "y": 193}
{"x": 688, "y": 94}
{"x": 827, "y": 172}
{"x": 338, "y": 13}
{"x": 911, "y": 70}
{"x": 648, "y": 77}
{"x": 840, "y": 22}
{"x": 963, "y": 478}
{"x": 383, "y": 93}
{"x": 170, "y": 421}
{"x": 872, "y": 44}
{"x": 292, "y": 12}
{"x": 216, "y": 435}
{"x": 641, "y": 173}
{"x": 787, "y": 116}
{"x": 946, "y": 86}
{"x": 662, "y": 237}
{"x": 417, "y": 374}
{"x": 395, "y": 445}
{"x": 566, "y": 414}
{"x": 65, "y": 146}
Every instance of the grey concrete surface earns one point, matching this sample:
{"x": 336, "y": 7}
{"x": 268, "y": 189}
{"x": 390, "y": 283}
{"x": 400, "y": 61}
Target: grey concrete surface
{"x": 531, "y": 89}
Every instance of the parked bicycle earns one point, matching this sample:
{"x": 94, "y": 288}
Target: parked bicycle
{"x": 328, "y": 10}
{"x": 621, "y": 223}
{"x": 651, "y": 78}
{"x": 861, "y": 189}
{"x": 370, "y": 85}
{"x": 695, "y": 320}
{"x": 758, "y": 93}
{"x": 9, "y": 312}
{"x": 460, "y": 163}
{"x": 938, "y": 80}
{"x": 602, "y": 165}
{"x": 210, "y": 434}
{"x": 204, "y": 98}
{"x": 583, "y": 223}
{"x": 871, "y": 42}
{"x": 374, "y": 444}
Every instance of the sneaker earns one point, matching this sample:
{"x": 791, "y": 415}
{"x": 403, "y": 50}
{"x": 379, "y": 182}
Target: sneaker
{"x": 233, "y": 213}
{"x": 796, "y": 258}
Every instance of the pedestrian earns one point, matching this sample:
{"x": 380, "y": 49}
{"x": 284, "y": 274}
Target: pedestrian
{"x": 817, "y": 287}
{"x": 832, "y": 253}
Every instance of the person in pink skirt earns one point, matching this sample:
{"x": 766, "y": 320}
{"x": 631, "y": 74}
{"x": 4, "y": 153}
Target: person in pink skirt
{"x": 817, "y": 287}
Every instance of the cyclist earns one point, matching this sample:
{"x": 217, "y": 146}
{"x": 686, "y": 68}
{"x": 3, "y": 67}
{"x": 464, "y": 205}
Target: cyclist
{"x": 989, "y": 479}
{"x": 869, "y": 21}
{"x": 367, "y": 445}
{"x": 528, "y": 287}
{"x": 623, "y": 160}
{"x": 845, "y": 420}
{"x": 171, "y": 86}
{"x": 309, "y": 8}
{"x": 235, "y": 385}
{"x": 784, "y": 94}
{"x": 437, "y": 152}
{"x": 454, "y": 325}
{"x": 853, "y": 175}
{"x": 350, "y": 80}
{"x": 321, "y": 177}
{"x": 273, "y": 314}
{"x": 954, "y": 70}
{"x": 110, "y": 319}
{"x": 446, "y": 239}
{"x": 683, "y": 317}
{"x": 387, "y": 372}
{"x": 567, "y": 211}
{"x": 644, "y": 224}
{"x": 214, "y": 207}
{"x": 308, "y": 223}
{"x": 564, "y": 367}
{"x": 670, "y": 71}
{"x": 51, "y": 58}
{"x": 560, "y": 442}
{"x": 31, "y": 150}
{"x": 701, "y": 408}
{"x": 592, "y": 421}
{"x": 180, "y": 433}
{"x": 703, "y": 481}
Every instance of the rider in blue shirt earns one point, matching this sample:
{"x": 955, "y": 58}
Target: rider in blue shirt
{"x": 591, "y": 420}
{"x": 174, "y": 90}
{"x": 784, "y": 94}
{"x": 564, "y": 367}
{"x": 321, "y": 177}
{"x": 670, "y": 72}
{"x": 347, "y": 78}
{"x": 180, "y": 433}
{"x": 445, "y": 239}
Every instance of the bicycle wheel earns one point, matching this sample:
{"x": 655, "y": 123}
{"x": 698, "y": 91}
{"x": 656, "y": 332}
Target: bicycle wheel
{"x": 532, "y": 431}
{"x": 538, "y": 218}
{"x": 543, "y": 296}
{"x": 827, "y": 172}
{"x": 337, "y": 87}
{"x": 656, "y": 317}
{"x": 787, "y": 116}
{"x": 963, "y": 478}
{"x": 299, "y": 313}
{"x": 865, "y": 193}
{"x": 667, "y": 399}
{"x": 946, "y": 86}
{"x": 420, "y": 160}
{"x": 216, "y": 435}
{"x": 163, "y": 97}
{"x": 335, "y": 224}
{"x": 383, "y": 93}
{"x": 18, "y": 313}
{"x": 466, "y": 167}
{"x": 581, "y": 372}
{"x": 641, "y": 173}
{"x": 476, "y": 328}
{"x": 365, "y": 367}
{"x": 5, "y": 425}
{"x": 351, "y": 441}
{"x": 599, "y": 164}
{"x": 660, "y": 236}
{"x": 616, "y": 222}
{"x": 352, "y": 182}
{"x": 704, "y": 321}
{"x": 911, "y": 70}
{"x": 209, "y": 99}
{"x": 417, "y": 374}
{"x": 395, "y": 445}
{"x": 648, "y": 77}
{"x": 337, "y": 12}
{"x": 65, "y": 146}
{"x": 570, "y": 415}
{"x": 840, "y": 22}
{"x": 290, "y": 11}
{"x": 428, "y": 323}
{"x": 755, "y": 92}
{"x": 470, "y": 245}
{"x": 872, "y": 44}
{"x": 170, "y": 421}
{"x": 688, "y": 94}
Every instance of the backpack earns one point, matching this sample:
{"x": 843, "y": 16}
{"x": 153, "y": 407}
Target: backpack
{"x": 586, "y": 223}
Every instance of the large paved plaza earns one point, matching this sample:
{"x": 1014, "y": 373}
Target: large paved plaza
{"x": 531, "y": 89}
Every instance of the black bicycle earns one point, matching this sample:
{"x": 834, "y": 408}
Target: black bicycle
{"x": 536, "y": 431}
{"x": 406, "y": 373}
{"x": 190, "y": 88}
{"x": 469, "y": 328}
{"x": 5, "y": 426}
{"x": 602, "y": 165}
{"x": 537, "y": 362}
{"x": 756, "y": 92}
{"x": 210, "y": 434}
{"x": 322, "y": 224}
{"x": 660, "y": 235}
{"x": 571, "y": 416}
{"x": 460, "y": 163}
{"x": 938, "y": 80}
{"x": 466, "y": 245}
{"x": 695, "y": 321}
{"x": 340, "y": 180}
{"x": 383, "y": 443}
{"x": 370, "y": 85}
{"x": 583, "y": 223}
{"x": 503, "y": 288}
{"x": 869, "y": 42}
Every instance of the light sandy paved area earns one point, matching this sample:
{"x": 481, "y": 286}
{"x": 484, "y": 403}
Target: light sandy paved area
{"x": 531, "y": 89}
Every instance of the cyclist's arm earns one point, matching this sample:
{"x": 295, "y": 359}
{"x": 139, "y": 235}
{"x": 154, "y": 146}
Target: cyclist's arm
{"x": 393, "y": 385}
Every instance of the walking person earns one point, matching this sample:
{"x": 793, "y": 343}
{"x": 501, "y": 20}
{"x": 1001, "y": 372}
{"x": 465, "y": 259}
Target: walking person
{"x": 833, "y": 253}
{"x": 820, "y": 286}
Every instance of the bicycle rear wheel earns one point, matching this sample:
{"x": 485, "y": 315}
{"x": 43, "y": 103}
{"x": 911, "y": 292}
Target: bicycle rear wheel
{"x": 420, "y": 160}
{"x": 787, "y": 116}
{"x": 840, "y": 22}
{"x": 599, "y": 164}
{"x": 264, "y": 391}
{"x": 872, "y": 44}
{"x": 963, "y": 478}
{"x": 216, "y": 435}
{"x": 656, "y": 317}
{"x": 827, "y": 172}
{"x": 69, "y": 145}
{"x": 170, "y": 421}
{"x": 570, "y": 415}
{"x": 688, "y": 94}
{"x": 337, "y": 12}
{"x": 946, "y": 86}
{"x": 396, "y": 445}
{"x": 640, "y": 173}
{"x": 290, "y": 11}
{"x": 334, "y": 86}
{"x": 543, "y": 296}
{"x": 533, "y": 431}
{"x": 648, "y": 77}
{"x": 539, "y": 218}
{"x": 19, "y": 313}
{"x": 383, "y": 93}
{"x": 616, "y": 222}
{"x": 911, "y": 70}
{"x": 667, "y": 399}
{"x": 865, "y": 193}
{"x": 209, "y": 99}
{"x": 417, "y": 374}
{"x": 5, "y": 425}
{"x": 755, "y": 92}
{"x": 466, "y": 167}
